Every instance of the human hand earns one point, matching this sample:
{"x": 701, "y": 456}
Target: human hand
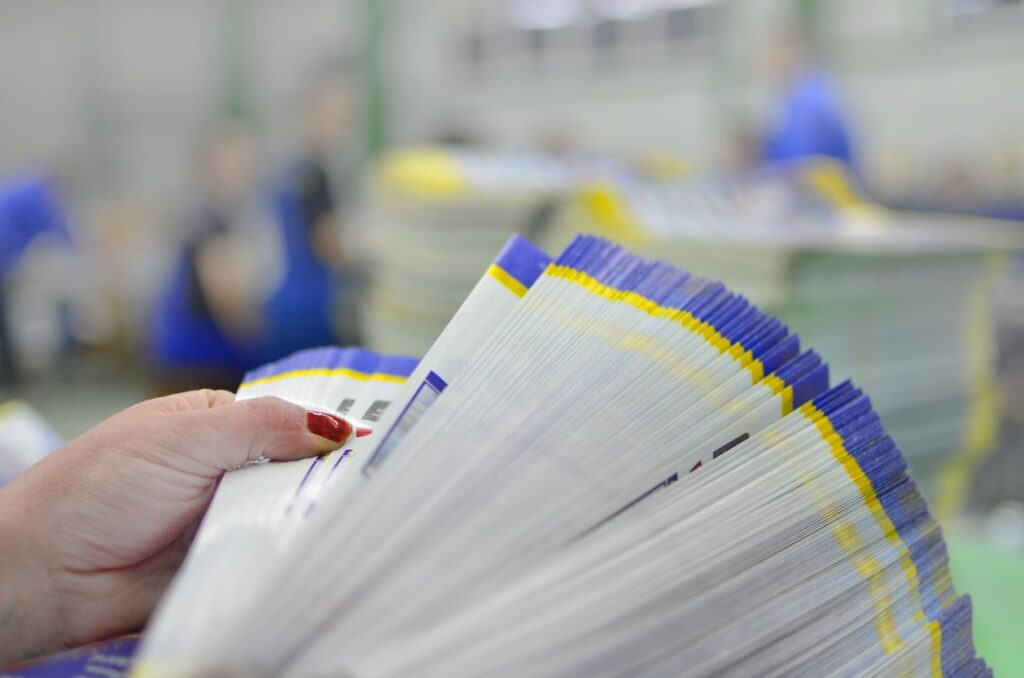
{"x": 91, "y": 536}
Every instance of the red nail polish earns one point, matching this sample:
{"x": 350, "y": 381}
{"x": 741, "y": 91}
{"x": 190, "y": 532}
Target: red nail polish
{"x": 363, "y": 430}
{"x": 328, "y": 426}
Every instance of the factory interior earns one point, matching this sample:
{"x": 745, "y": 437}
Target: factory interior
{"x": 192, "y": 189}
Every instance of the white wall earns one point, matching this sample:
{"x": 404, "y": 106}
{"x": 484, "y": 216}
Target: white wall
{"x": 663, "y": 103}
{"x": 927, "y": 93}
{"x": 121, "y": 89}
{"x": 126, "y": 88}
{"x": 119, "y": 94}
{"x": 922, "y": 93}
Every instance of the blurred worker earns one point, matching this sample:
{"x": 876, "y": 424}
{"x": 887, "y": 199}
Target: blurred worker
{"x": 810, "y": 119}
{"x": 30, "y": 210}
{"x": 208, "y": 325}
{"x": 316, "y": 301}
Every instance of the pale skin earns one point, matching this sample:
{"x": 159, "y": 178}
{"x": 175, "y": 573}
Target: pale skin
{"x": 91, "y": 536}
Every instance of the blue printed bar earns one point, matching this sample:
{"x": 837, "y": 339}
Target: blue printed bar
{"x": 522, "y": 260}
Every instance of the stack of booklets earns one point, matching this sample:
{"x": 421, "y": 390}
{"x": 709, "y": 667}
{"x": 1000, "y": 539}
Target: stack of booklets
{"x": 434, "y": 217}
{"x": 604, "y": 466}
{"x": 997, "y": 481}
{"x": 25, "y": 438}
{"x": 903, "y": 303}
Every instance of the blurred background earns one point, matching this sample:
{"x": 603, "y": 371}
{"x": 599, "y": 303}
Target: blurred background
{"x": 190, "y": 189}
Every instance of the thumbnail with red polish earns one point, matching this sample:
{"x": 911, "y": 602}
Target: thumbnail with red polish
{"x": 328, "y": 426}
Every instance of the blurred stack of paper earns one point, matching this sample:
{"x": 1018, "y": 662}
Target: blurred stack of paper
{"x": 25, "y": 438}
{"x": 434, "y": 218}
{"x": 998, "y": 482}
{"x": 900, "y": 302}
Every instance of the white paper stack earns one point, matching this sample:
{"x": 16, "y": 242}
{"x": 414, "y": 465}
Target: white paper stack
{"x": 605, "y": 466}
{"x": 434, "y": 218}
{"x": 902, "y": 303}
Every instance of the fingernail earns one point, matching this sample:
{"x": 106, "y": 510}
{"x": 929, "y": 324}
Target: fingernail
{"x": 328, "y": 426}
{"x": 362, "y": 430}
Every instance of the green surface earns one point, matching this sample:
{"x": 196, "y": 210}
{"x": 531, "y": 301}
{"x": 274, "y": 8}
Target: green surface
{"x": 236, "y": 85}
{"x": 995, "y": 581}
{"x": 376, "y": 108}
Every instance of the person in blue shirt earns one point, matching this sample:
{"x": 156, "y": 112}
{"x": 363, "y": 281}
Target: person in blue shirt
{"x": 208, "y": 324}
{"x": 810, "y": 119}
{"x": 316, "y": 302}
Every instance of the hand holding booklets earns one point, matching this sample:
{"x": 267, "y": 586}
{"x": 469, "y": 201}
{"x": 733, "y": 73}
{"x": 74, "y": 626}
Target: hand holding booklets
{"x": 604, "y": 466}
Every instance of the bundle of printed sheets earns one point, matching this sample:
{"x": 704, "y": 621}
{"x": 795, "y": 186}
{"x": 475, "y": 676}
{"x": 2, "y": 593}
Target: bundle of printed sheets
{"x": 604, "y": 466}
{"x": 903, "y": 303}
{"x": 434, "y": 217}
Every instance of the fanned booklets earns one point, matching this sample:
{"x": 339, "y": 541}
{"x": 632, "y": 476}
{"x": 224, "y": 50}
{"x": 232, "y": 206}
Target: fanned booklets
{"x": 605, "y": 466}
{"x": 866, "y": 286}
{"x": 900, "y": 302}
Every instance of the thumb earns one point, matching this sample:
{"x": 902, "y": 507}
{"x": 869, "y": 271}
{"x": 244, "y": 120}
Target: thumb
{"x": 271, "y": 427}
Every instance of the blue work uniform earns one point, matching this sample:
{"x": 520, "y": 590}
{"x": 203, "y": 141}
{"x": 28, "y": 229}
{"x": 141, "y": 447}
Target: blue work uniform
{"x": 810, "y": 122}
